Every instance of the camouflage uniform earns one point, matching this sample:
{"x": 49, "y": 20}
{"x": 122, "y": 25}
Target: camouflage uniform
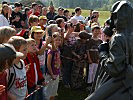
{"x": 77, "y": 77}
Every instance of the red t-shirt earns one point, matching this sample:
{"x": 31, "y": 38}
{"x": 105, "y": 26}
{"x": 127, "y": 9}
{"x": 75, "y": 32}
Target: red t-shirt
{"x": 3, "y": 81}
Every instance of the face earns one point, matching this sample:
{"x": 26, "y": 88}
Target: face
{"x": 79, "y": 12}
{"x": 51, "y": 9}
{"x": 32, "y": 47}
{"x": 6, "y": 9}
{"x": 96, "y": 32}
{"x": 57, "y": 41}
{"x": 62, "y": 24}
{"x": 60, "y": 12}
{"x": 43, "y": 21}
{"x": 44, "y": 12}
{"x": 38, "y": 35}
{"x": 34, "y": 23}
{"x": 24, "y": 50}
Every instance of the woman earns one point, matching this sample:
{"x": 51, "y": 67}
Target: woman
{"x": 4, "y": 16}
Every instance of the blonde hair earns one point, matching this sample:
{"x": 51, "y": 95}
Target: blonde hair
{"x": 6, "y": 32}
{"x": 30, "y": 40}
{"x": 56, "y": 34}
{"x": 17, "y": 42}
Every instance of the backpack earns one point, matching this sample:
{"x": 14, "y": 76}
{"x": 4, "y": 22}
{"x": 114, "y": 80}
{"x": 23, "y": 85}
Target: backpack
{"x": 46, "y": 57}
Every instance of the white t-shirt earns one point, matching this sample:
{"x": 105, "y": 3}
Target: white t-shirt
{"x": 3, "y": 21}
{"x": 79, "y": 18}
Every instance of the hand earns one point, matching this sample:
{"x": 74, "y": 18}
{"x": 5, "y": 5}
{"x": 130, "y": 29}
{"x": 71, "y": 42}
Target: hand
{"x": 37, "y": 86}
{"x": 54, "y": 77}
{"x": 27, "y": 67}
{"x": 78, "y": 56}
{"x": 48, "y": 39}
{"x": 2, "y": 89}
{"x": 17, "y": 18}
{"x": 44, "y": 83}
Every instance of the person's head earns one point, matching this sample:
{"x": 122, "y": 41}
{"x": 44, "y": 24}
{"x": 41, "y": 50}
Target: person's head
{"x": 37, "y": 33}
{"x": 60, "y": 22}
{"x": 66, "y": 13}
{"x": 84, "y": 35}
{"x": 57, "y": 39}
{"x": 95, "y": 13}
{"x": 20, "y": 44}
{"x": 96, "y": 30}
{"x": 108, "y": 32}
{"x": 34, "y": 6}
{"x": 5, "y": 33}
{"x": 51, "y": 29}
{"x": 44, "y": 11}
{"x": 78, "y": 11}
{"x": 5, "y": 10}
{"x": 26, "y": 10}
{"x": 73, "y": 14}
{"x": 5, "y": 2}
{"x": 42, "y": 20}
{"x": 82, "y": 25}
{"x": 51, "y": 9}
{"x": 7, "y": 55}
{"x": 18, "y": 6}
{"x": 60, "y": 11}
{"x": 33, "y": 20}
{"x": 31, "y": 44}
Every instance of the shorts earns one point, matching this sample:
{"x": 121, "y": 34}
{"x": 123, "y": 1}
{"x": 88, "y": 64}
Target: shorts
{"x": 52, "y": 87}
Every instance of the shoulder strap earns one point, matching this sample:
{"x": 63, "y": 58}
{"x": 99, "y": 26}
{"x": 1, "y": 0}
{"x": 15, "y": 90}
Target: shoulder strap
{"x": 11, "y": 77}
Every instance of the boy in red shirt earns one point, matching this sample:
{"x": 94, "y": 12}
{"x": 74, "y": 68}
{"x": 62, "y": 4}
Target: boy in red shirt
{"x": 34, "y": 74}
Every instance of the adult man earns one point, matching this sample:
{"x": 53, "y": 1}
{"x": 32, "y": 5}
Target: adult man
{"x": 50, "y": 15}
{"x": 78, "y": 14}
{"x": 16, "y": 16}
{"x": 60, "y": 14}
{"x": 117, "y": 63}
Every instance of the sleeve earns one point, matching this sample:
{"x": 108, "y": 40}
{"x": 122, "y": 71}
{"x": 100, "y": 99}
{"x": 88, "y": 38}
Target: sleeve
{"x": 1, "y": 21}
{"x": 114, "y": 63}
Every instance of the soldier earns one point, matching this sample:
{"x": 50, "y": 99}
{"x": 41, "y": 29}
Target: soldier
{"x": 118, "y": 62}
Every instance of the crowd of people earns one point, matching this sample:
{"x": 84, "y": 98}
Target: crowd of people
{"x": 40, "y": 47}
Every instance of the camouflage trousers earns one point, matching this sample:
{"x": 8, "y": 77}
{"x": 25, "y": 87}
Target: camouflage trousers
{"x": 77, "y": 75}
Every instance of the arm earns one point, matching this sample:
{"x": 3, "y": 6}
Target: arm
{"x": 49, "y": 59}
{"x": 41, "y": 51}
{"x": 89, "y": 58}
{"x": 11, "y": 96}
{"x": 114, "y": 62}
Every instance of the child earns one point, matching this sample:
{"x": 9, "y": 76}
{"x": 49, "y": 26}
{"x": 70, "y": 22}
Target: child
{"x": 5, "y": 33}
{"x": 80, "y": 55}
{"x": 7, "y": 56}
{"x": 53, "y": 65}
{"x": 34, "y": 74}
{"x": 18, "y": 85}
{"x": 92, "y": 51}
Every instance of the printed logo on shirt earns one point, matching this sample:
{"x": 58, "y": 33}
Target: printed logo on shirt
{"x": 20, "y": 83}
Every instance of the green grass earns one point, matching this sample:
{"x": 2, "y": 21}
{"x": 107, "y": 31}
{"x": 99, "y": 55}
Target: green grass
{"x": 68, "y": 94}
{"x": 102, "y": 17}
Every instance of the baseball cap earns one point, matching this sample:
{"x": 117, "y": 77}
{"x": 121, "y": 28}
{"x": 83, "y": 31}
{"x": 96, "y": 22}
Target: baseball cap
{"x": 60, "y": 8}
{"x": 84, "y": 35}
{"x": 42, "y": 17}
{"x": 36, "y": 29}
{"x": 8, "y": 51}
